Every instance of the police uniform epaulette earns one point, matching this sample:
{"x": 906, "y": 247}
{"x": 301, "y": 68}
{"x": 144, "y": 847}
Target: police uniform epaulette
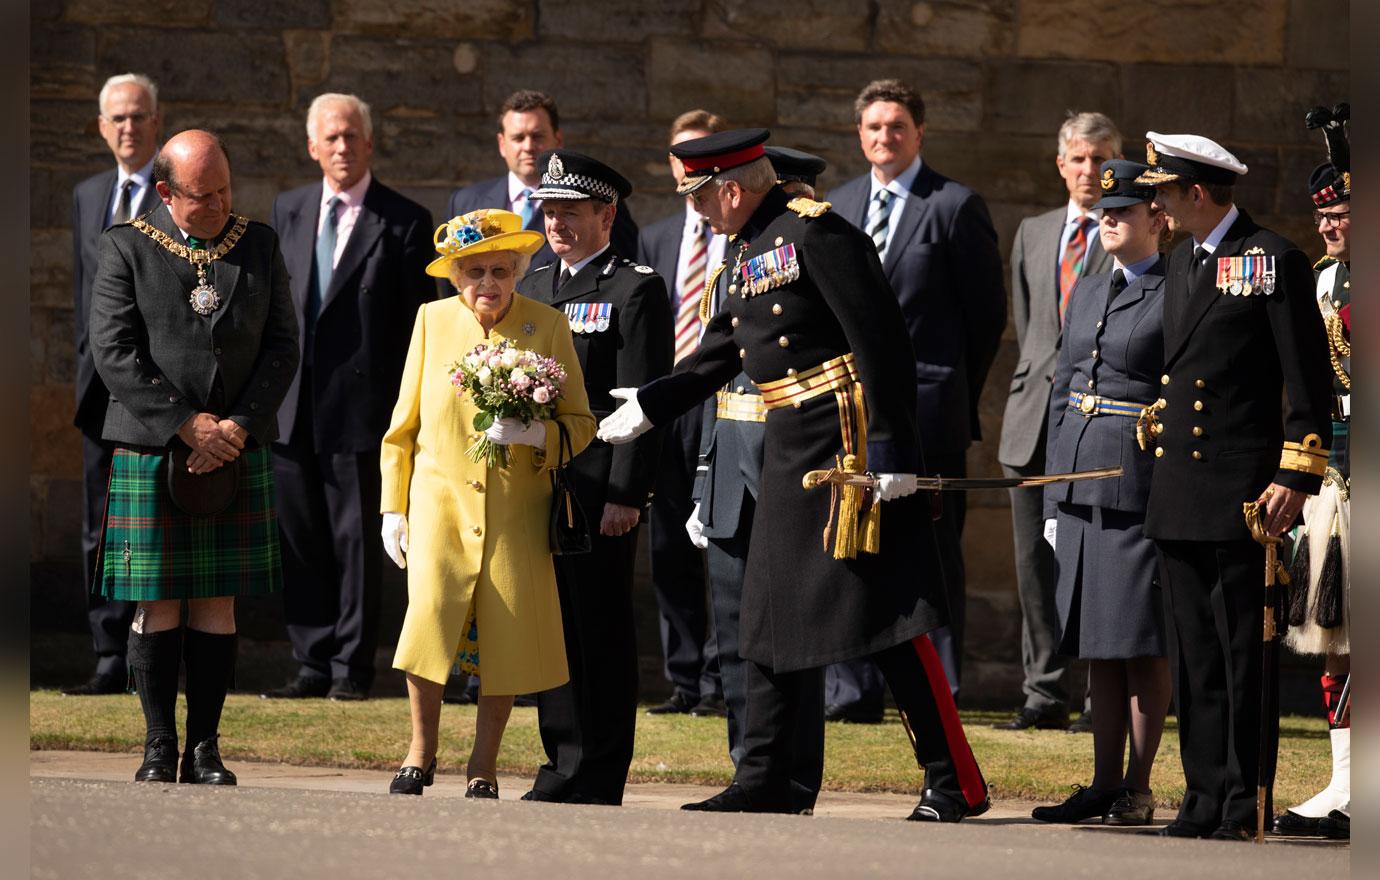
{"x": 1324, "y": 263}
{"x": 610, "y": 267}
{"x": 806, "y": 207}
{"x": 543, "y": 266}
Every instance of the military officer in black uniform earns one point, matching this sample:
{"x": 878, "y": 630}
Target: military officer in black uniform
{"x": 621, "y": 319}
{"x": 813, "y": 323}
{"x": 1241, "y": 330}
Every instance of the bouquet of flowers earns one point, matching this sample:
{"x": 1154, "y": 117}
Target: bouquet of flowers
{"x": 506, "y": 382}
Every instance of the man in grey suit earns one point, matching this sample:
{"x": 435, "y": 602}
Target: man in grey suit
{"x": 129, "y": 123}
{"x": 1050, "y": 253}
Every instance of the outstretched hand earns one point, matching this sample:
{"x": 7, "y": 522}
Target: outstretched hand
{"x": 627, "y": 422}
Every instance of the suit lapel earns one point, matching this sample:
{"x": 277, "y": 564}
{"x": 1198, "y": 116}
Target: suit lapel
{"x": 226, "y": 275}
{"x": 162, "y": 220}
{"x": 1204, "y": 293}
{"x": 582, "y": 283}
{"x": 367, "y": 231}
{"x": 149, "y": 201}
{"x": 1137, "y": 290}
{"x": 1042, "y": 256}
{"x": 912, "y": 212}
{"x": 299, "y": 245}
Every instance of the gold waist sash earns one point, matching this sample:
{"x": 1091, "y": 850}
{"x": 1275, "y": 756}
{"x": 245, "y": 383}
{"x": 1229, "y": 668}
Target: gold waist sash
{"x": 832, "y": 375}
{"x": 737, "y": 407}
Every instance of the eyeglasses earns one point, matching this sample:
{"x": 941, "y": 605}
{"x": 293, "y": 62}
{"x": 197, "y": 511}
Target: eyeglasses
{"x": 1333, "y": 219}
{"x": 121, "y": 118}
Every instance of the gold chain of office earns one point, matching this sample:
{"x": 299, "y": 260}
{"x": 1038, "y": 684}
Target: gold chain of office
{"x": 204, "y": 299}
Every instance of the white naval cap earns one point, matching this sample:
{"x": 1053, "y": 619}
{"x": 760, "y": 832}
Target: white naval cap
{"x": 1188, "y": 158}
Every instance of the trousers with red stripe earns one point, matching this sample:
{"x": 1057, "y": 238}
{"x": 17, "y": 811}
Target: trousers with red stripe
{"x": 916, "y": 678}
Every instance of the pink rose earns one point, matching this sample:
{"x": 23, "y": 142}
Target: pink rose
{"x": 541, "y": 394}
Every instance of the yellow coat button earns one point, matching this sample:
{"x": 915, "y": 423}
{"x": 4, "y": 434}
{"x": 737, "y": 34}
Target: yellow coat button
{"x": 1197, "y": 431}
{"x": 1197, "y": 456}
{"x": 783, "y": 342}
{"x": 1164, "y": 380}
{"x": 1199, "y": 383}
{"x": 1198, "y": 405}
{"x": 478, "y": 486}
{"x": 776, "y": 309}
{"x": 476, "y": 530}
{"x": 1159, "y": 452}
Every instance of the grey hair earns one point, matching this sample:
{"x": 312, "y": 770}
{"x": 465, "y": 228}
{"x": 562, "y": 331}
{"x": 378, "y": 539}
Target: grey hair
{"x": 756, "y": 176}
{"x": 137, "y": 79}
{"x": 1089, "y": 126}
{"x": 320, "y": 102}
{"x": 520, "y": 264}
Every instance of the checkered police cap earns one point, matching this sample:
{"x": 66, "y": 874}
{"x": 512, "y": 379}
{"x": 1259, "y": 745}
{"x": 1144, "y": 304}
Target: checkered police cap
{"x": 571, "y": 176}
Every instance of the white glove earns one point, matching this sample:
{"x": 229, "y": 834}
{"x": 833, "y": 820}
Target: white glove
{"x": 1051, "y": 531}
{"x": 510, "y": 431}
{"x": 695, "y": 529}
{"x": 627, "y": 422}
{"x": 395, "y": 538}
{"x": 893, "y": 486}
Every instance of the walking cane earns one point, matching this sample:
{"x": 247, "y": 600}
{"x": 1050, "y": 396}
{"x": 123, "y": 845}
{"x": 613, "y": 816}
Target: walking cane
{"x": 1275, "y": 575}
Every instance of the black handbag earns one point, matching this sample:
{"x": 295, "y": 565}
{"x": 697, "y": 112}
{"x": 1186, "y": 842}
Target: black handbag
{"x": 201, "y": 494}
{"x": 569, "y": 528}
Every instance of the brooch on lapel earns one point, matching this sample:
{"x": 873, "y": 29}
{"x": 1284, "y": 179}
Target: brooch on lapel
{"x": 770, "y": 270}
{"x": 529, "y": 328}
{"x": 1246, "y": 275}
{"x": 589, "y": 317}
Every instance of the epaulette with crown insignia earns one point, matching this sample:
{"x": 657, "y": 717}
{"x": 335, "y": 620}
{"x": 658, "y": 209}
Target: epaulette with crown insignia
{"x": 806, "y": 207}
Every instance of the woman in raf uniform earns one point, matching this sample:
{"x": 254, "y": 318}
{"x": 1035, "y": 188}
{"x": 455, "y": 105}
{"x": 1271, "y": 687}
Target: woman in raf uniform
{"x": 477, "y": 537}
{"x": 1108, "y": 594}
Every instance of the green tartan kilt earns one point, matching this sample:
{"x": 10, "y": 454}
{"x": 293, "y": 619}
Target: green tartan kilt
{"x": 152, "y": 550}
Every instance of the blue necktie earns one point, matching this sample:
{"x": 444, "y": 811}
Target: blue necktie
{"x": 526, "y": 198}
{"x": 325, "y": 259}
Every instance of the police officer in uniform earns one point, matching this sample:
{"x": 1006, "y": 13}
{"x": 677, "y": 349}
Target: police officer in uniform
{"x": 812, "y": 322}
{"x": 1241, "y": 330}
{"x": 621, "y": 319}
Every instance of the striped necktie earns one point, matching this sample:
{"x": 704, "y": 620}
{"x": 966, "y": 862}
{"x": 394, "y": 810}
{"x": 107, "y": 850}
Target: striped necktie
{"x": 691, "y": 289}
{"x": 1071, "y": 263}
{"x": 877, "y": 219}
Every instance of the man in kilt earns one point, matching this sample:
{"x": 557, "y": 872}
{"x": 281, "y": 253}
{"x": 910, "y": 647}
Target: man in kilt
{"x": 193, "y": 332}
{"x": 812, "y": 321}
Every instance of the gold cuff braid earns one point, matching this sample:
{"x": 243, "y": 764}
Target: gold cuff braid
{"x": 1308, "y": 456}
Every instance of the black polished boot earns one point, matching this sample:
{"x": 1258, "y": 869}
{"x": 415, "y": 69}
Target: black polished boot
{"x": 938, "y": 806}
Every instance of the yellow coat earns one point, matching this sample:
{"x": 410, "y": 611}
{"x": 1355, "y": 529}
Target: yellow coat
{"x": 478, "y": 535}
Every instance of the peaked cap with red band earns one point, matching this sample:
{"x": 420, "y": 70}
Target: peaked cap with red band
{"x": 713, "y": 154}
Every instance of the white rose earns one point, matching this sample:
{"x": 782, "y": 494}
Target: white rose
{"x": 510, "y": 358}
{"x": 485, "y": 376}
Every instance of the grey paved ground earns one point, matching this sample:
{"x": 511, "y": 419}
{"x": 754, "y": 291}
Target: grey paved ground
{"x": 304, "y": 823}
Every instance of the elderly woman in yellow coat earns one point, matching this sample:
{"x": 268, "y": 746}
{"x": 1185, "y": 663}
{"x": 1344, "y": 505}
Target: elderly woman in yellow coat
{"x": 474, "y": 539}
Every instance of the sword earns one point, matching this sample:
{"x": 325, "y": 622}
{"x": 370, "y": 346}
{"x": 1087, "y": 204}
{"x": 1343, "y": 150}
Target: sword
{"x": 814, "y": 479}
{"x": 1269, "y": 665}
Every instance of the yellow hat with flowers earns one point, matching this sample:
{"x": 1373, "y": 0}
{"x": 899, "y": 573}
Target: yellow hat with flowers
{"x": 481, "y": 232}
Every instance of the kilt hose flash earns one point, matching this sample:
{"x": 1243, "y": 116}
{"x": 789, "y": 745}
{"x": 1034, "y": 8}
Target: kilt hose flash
{"x": 152, "y": 550}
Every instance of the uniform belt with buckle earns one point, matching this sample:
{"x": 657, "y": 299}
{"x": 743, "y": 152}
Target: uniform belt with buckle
{"x": 1092, "y": 405}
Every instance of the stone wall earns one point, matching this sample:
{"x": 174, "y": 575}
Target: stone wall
{"x": 998, "y": 76}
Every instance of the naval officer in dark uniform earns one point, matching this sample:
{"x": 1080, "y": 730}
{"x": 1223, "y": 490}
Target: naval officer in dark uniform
{"x": 621, "y": 319}
{"x": 1241, "y": 331}
{"x": 813, "y": 323}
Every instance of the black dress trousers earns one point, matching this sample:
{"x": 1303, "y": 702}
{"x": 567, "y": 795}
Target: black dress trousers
{"x": 109, "y": 618}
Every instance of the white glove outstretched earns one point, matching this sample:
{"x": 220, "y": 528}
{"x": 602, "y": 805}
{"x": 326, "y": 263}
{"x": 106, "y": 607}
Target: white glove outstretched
{"x": 695, "y": 529}
{"x": 395, "y": 538}
{"x": 1051, "y": 532}
{"x": 893, "y": 486}
{"x": 627, "y": 422}
{"x": 510, "y": 431}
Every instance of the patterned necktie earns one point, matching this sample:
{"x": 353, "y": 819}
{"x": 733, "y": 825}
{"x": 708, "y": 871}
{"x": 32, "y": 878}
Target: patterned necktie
{"x": 691, "y": 289}
{"x": 877, "y": 219}
{"x": 122, "y": 207}
{"x": 1071, "y": 264}
{"x": 524, "y": 206}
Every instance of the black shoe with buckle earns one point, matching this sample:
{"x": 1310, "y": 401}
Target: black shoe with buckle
{"x": 735, "y": 799}
{"x": 1336, "y": 825}
{"x": 482, "y": 789}
{"x": 300, "y": 688}
{"x": 1036, "y": 719}
{"x": 678, "y": 704}
{"x": 347, "y": 690}
{"x": 160, "y": 761}
{"x": 411, "y": 780}
{"x": 939, "y": 806}
{"x": 1291, "y": 824}
{"x": 1131, "y": 808}
{"x": 1230, "y": 829}
{"x": 201, "y": 765}
{"x": 97, "y": 685}
{"x": 1084, "y": 803}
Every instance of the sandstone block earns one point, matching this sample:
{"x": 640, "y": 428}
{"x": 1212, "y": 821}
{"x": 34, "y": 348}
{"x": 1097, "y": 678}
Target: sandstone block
{"x": 1006, "y": 169}
{"x": 63, "y": 135}
{"x": 273, "y": 16}
{"x": 54, "y": 445}
{"x": 1033, "y": 97}
{"x": 1270, "y": 103}
{"x": 1319, "y": 33}
{"x": 1154, "y": 101}
{"x": 616, "y": 21}
{"x": 960, "y": 29}
{"x": 308, "y": 59}
{"x": 734, "y": 81}
{"x": 62, "y": 519}
{"x": 398, "y": 76}
{"x": 500, "y": 20}
{"x": 838, "y": 26}
{"x": 819, "y": 91}
{"x": 157, "y": 13}
{"x": 588, "y": 82}
{"x": 198, "y": 66}
{"x": 1257, "y": 191}
{"x": 50, "y": 267}
{"x": 60, "y": 57}
{"x": 261, "y": 144}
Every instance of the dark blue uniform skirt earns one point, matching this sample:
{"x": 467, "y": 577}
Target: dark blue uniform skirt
{"x": 1108, "y": 594}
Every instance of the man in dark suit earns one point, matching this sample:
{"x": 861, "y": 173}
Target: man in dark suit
{"x": 129, "y": 123}
{"x": 528, "y": 125}
{"x": 683, "y": 249}
{"x": 357, "y": 251}
{"x": 1242, "y": 331}
{"x": 939, "y": 251}
{"x": 621, "y": 318}
{"x": 1050, "y": 253}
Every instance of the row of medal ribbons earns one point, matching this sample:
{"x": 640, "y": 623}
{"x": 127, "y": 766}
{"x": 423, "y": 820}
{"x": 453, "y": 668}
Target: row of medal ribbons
{"x": 772, "y": 269}
{"x": 589, "y": 317}
{"x": 1244, "y": 276}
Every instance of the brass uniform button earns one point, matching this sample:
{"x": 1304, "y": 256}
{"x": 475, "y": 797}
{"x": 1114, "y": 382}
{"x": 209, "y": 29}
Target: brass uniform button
{"x": 1164, "y": 380}
{"x": 783, "y": 342}
{"x": 1197, "y": 456}
{"x": 1161, "y": 402}
{"x": 1199, "y": 383}
{"x": 1198, "y": 405}
{"x": 776, "y": 309}
{"x": 779, "y": 240}
{"x": 1159, "y": 452}
{"x": 1197, "y": 431}
{"x": 740, "y": 389}
{"x": 732, "y": 290}
{"x": 734, "y": 322}
{"x": 790, "y": 371}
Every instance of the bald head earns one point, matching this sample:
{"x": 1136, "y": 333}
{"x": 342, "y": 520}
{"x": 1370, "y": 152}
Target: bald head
{"x": 192, "y": 173}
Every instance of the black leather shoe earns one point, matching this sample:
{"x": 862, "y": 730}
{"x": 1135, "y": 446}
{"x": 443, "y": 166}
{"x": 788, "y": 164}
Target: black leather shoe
{"x": 346, "y": 690}
{"x": 1291, "y": 824}
{"x": 852, "y": 715}
{"x": 1131, "y": 808}
{"x": 1336, "y": 825}
{"x": 97, "y": 685}
{"x": 1230, "y": 829}
{"x": 710, "y": 707}
{"x": 300, "y": 688}
{"x": 1028, "y": 718}
{"x": 938, "y": 806}
{"x": 482, "y": 789}
{"x": 1083, "y": 723}
{"x": 735, "y": 799}
{"x": 411, "y": 780}
{"x": 202, "y": 765}
{"x": 160, "y": 761}
{"x": 1180, "y": 828}
{"x": 541, "y": 797}
{"x": 1084, "y": 803}
{"x": 679, "y": 704}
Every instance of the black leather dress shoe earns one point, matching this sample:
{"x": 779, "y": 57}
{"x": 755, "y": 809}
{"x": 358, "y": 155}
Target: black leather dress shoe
{"x": 1028, "y": 718}
{"x": 735, "y": 799}
{"x": 1084, "y": 803}
{"x": 938, "y": 806}
{"x": 300, "y": 688}
{"x": 1291, "y": 824}
{"x": 346, "y": 690}
{"x": 97, "y": 685}
{"x": 482, "y": 789}
{"x": 160, "y": 761}
{"x": 1180, "y": 828}
{"x": 710, "y": 707}
{"x": 678, "y": 704}
{"x": 1230, "y": 829}
{"x": 411, "y": 780}
{"x": 541, "y": 797}
{"x": 1336, "y": 825}
{"x": 202, "y": 765}
{"x": 852, "y": 714}
{"x": 1131, "y": 808}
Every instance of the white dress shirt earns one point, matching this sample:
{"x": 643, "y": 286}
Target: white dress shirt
{"x": 576, "y": 267}
{"x": 515, "y": 188}
{"x": 899, "y": 187}
{"x": 143, "y": 179}
{"x": 1219, "y": 232}
{"x": 347, "y": 212}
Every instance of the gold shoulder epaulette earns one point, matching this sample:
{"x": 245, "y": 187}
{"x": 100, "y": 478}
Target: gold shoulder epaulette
{"x": 1324, "y": 263}
{"x": 806, "y": 207}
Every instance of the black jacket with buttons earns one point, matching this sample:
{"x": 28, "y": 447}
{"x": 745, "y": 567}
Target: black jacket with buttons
{"x": 1229, "y": 360}
{"x": 164, "y": 363}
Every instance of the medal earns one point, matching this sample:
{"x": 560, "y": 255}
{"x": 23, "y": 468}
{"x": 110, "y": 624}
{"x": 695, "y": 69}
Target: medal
{"x": 204, "y": 299}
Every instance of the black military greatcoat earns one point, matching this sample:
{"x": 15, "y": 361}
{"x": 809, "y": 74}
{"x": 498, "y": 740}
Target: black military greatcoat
{"x": 803, "y": 608}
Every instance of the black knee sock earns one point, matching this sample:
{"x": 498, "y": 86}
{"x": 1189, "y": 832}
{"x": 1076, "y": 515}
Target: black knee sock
{"x": 210, "y": 666}
{"x": 154, "y": 659}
